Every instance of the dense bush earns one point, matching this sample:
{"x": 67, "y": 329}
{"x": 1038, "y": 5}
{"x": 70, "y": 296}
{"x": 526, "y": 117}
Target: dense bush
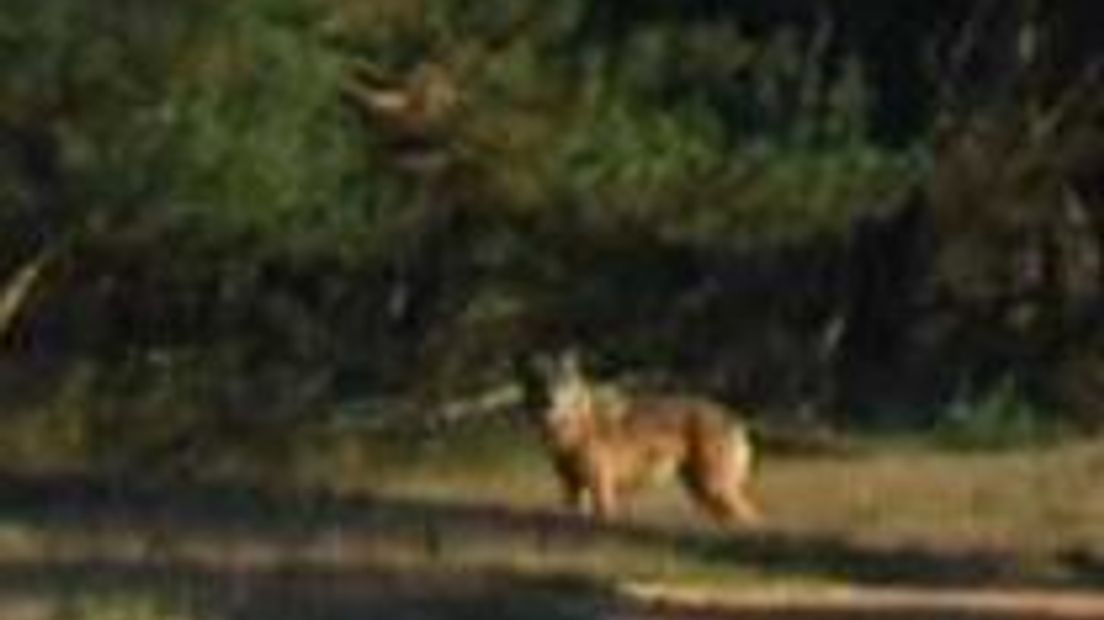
{"x": 253, "y": 209}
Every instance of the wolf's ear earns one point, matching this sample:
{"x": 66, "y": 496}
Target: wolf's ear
{"x": 572, "y": 376}
{"x": 570, "y": 367}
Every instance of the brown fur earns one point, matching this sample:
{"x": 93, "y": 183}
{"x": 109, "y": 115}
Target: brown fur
{"x": 605, "y": 443}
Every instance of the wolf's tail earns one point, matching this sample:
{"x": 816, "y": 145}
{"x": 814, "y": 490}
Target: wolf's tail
{"x": 741, "y": 452}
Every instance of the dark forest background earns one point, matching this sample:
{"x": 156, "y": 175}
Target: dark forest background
{"x": 237, "y": 220}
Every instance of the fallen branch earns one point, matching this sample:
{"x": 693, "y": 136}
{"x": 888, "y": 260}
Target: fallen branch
{"x": 16, "y": 291}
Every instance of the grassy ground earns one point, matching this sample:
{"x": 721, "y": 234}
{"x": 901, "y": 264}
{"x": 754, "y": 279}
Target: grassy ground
{"x": 468, "y": 527}
{"x": 1029, "y": 498}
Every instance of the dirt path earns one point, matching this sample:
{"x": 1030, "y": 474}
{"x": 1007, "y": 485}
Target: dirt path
{"x": 665, "y": 603}
{"x": 441, "y": 595}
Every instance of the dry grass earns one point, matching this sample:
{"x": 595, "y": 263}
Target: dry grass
{"x": 1031, "y": 498}
{"x": 1037, "y": 499}
{"x": 897, "y": 514}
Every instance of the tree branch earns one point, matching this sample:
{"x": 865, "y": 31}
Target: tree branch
{"x": 16, "y": 290}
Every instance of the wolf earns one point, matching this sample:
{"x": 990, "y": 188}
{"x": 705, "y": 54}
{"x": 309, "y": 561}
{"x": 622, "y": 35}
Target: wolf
{"x": 606, "y": 442}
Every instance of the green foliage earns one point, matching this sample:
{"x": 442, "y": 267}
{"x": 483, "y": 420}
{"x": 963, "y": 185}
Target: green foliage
{"x": 121, "y": 607}
{"x": 705, "y": 195}
{"x": 224, "y": 119}
{"x": 259, "y": 141}
{"x": 751, "y": 146}
{"x": 999, "y": 417}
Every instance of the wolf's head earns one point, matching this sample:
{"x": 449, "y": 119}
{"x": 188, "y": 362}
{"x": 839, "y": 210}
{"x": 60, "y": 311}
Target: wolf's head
{"x": 569, "y": 412}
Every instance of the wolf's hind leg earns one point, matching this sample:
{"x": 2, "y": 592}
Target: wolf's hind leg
{"x": 722, "y": 495}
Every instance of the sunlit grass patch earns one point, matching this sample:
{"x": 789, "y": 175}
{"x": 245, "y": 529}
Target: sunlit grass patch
{"x": 88, "y": 605}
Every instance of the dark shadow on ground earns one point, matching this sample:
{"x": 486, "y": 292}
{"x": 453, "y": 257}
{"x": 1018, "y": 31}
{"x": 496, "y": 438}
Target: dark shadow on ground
{"x": 370, "y": 593}
{"x": 305, "y": 593}
{"x": 225, "y": 512}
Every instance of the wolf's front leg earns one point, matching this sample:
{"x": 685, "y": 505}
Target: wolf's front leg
{"x": 571, "y": 473}
{"x": 576, "y": 498}
{"x": 603, "y": 491}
